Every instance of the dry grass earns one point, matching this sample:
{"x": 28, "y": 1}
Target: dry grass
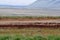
{"x": 29, "y": 34}
{"x": 31, "y": 31}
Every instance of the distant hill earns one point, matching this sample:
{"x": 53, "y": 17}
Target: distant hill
{"x": 46, "y": 4}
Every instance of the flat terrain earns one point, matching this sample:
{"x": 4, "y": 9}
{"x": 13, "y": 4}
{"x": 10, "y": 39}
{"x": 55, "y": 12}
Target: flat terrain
{"x": 30, "y": 31}
{"x": 28, "y": 12}
{"x": 23, "y": 22}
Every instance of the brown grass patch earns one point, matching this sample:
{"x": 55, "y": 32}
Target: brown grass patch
{"x": 31, "y": 31}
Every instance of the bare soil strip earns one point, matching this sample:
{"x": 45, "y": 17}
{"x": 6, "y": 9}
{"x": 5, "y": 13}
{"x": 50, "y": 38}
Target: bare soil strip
{"x": 22, "y": 24}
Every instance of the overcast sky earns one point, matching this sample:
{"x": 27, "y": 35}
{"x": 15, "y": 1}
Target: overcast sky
{"x": 16, "y": 2}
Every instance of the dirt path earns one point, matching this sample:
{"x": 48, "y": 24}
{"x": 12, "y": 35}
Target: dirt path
{"x": 26, "y": 22}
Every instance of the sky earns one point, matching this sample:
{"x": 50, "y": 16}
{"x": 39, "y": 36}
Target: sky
{"x": 33, "y": 3}
{"x": 16, "y": 2}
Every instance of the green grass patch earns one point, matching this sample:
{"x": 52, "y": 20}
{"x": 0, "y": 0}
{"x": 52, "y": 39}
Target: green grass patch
{"x": 31, "y": 17}
{"x": 20, "y": 37}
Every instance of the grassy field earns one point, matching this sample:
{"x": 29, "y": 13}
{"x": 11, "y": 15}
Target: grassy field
{"x": 51, "y": 17}
{"x": 28, "y": 18}
{"x": 30, "y": 34}
{"x": 36, "y": 37}
{"x": 31, "y": 31}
